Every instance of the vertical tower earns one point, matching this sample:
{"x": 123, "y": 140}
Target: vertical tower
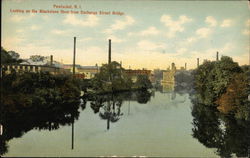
{"x": 173, "y": 67}
{"x": 217, "y": 56}
{"x": 109, "y": 61}
{"x": 74, "y": 56}
{"x": 198, "y": 62}
{"x": 51, "y": 60}
{"x": 185, "y": 66}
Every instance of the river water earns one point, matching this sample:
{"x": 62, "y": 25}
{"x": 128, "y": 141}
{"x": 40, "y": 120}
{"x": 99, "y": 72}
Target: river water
{"x": 159, "y": 124}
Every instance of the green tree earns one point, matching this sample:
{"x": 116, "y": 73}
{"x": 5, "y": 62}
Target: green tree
{"x": 111, "y": 78}
{"x": 213, "y": 78}
{"x": 143, "y": 82}
{"x": 9, "y": 57}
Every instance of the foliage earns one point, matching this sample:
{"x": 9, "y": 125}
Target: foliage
{"x": 143, "y": 82}
{"x": 223, "y": 132}
{"x": 9, "y": 57}
{"x": 36, "y": 58}
{"x": 111, "y": 78}
{"x": 212, "y": 78}
{"x": 225, "y": 85}
{"x": 37, "y": 89}
{"x": 36, "y": 100}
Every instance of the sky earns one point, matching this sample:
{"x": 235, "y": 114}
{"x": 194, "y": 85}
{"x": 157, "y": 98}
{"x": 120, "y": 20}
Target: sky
{"x": 146, "y": 34}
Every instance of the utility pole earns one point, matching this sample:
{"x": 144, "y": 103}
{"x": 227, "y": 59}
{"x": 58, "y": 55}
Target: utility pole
{"x": 109, "y": 59}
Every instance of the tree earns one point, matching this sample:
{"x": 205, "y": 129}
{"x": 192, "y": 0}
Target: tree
{"x": 143, "y": 82}
{"x": 213, "y": 78}
{"x": 111, "y": 78}
{"x": 9, "y": 57}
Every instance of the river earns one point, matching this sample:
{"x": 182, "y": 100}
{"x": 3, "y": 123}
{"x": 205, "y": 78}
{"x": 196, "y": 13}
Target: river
{"x": 159, "y": 124}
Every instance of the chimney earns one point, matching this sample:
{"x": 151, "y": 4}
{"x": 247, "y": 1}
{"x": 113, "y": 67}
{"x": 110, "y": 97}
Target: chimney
{"x": 198, "y": 62}
{"x": 173, "y": 66}
{"x": 51, "y": 60}
{"x": 74, "y": 56}
{"x": 217, "y": 56}
{"x": 109, "y": 51}
{"x": 185, "y": 66}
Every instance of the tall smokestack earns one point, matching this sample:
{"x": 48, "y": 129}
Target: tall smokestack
{"x": 217, "y": 56}
{"x": 198, "y": 62}
{"x": 74, "y": 56}
{"x": 109, "y": 51}
{"x": 185, "y": 66}
{"x": 51, "y": 60}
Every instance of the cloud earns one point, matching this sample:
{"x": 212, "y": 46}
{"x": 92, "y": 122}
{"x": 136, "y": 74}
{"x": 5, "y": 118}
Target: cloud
{"x": 226, "y": 23}
{"x": 35, "y": 27}
{"x": 248, "y": 23}
{"x": 10, "y": 42}
{"x": 180, "y": 51}
{"x": 246, "y": 32}
{"x": 150, "y": 31}
{"x": 149, "y": 46}
{"x": 85, "y": 39}
{"x": 19, "y": 30}
{"x": 115, "y": 39}
{"x": 243, "y": 59}
{"x": 203, "y": 32}
{"x": 59, "y": 32}
{"x": 93, "y": 53}
{"x": 211, "y": 21}
{"x": 17, "y": 18}
{"x": 45, "y": 17}
{"x": 90, "y": 20}
{"x": 210, "y": 54}
{"x": 120, "y": 24}
{"x": 191, "y": 39}
{"x": 174, "y": 26}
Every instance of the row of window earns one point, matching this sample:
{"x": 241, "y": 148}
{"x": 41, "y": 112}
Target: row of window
{"x": 20, "y": 67}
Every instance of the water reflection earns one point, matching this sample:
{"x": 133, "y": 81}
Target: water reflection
{"x": 16, "y": 124}
{"x": 225, "y": 133}
{"x": 108, "y": 106}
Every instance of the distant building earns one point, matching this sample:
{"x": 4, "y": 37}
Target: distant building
{"x": 168, "y": 75}
{"x": 135, "y": 73}
{"x": 7, "y": 68}
{"x": 41, "y": 60}
{"x": 86, "y": 72}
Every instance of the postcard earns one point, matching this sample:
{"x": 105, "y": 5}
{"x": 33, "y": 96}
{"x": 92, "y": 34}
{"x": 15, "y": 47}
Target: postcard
{"x": 125, "y": 78}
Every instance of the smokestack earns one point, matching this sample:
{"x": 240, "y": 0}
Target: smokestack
{"x": 198, "y": 62}
{"x": 217, "y": 56}
{"x": 185, "y": 66}
{"x": 172, "y": 66}
{"x": 51, "y": 60}
{"x": 74, "y": 56}
{"x": 109, "y": 51}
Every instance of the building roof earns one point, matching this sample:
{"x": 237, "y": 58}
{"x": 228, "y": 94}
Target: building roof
{"x": 80, "y": 67}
